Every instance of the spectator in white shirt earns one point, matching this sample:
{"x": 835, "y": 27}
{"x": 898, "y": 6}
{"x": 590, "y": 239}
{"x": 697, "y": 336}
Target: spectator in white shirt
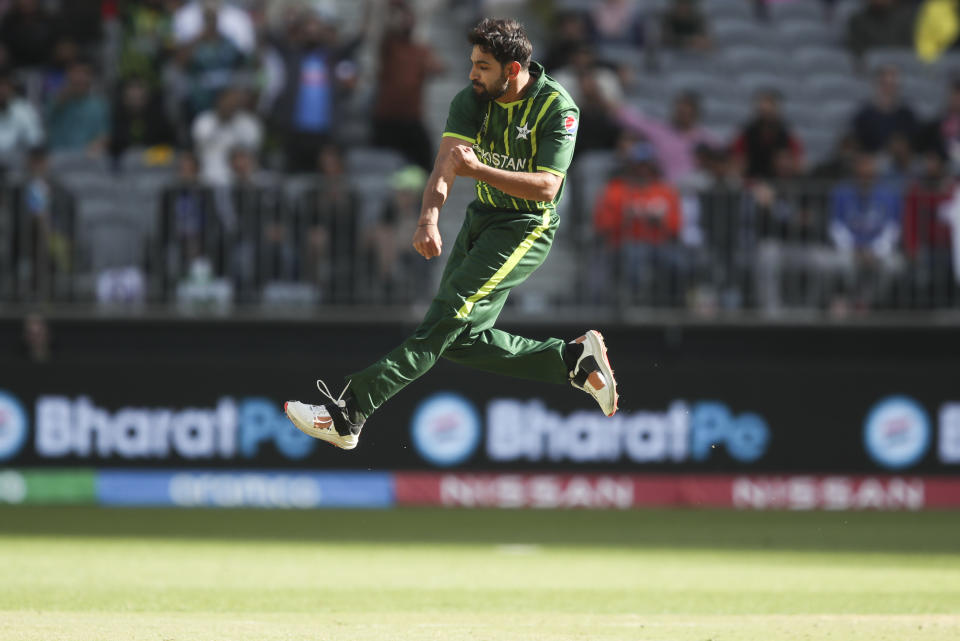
{"x": 222, "y": 129}
{"x": 20, "y": 124}
{"x": 232, "y": 22}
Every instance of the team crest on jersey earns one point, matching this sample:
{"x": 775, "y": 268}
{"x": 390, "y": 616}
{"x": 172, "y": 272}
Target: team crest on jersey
{"x": 523, "y": 131}
{"x": 570, "y": 124}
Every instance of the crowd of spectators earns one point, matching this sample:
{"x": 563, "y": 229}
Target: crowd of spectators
{"x": 242, "y": 95}
{"x": 766, "y": 223}
{"x": 246, "y": 94}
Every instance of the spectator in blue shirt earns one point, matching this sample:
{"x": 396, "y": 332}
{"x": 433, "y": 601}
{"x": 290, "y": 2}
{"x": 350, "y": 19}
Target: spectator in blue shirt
{"x": 318, "y": 70}
{"x": 865, "y": 217}
{"x": 79, "y": 117}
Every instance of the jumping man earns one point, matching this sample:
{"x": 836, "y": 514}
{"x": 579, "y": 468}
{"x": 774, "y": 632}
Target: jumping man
{"x": 513, "y": 130}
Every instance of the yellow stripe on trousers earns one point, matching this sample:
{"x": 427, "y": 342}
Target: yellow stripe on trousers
{"x": 507, "y": 267}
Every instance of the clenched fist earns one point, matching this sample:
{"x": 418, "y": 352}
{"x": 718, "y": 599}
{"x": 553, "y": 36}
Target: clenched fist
{"x": 426, "y": 240}
{"x": 464, "y": 161}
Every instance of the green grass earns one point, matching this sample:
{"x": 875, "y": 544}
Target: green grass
{"x": 98, "y": 574}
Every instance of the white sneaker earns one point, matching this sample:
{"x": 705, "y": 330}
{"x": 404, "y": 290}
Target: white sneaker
{"x": 328, "y": 422}
{"x": 593, "y": 373}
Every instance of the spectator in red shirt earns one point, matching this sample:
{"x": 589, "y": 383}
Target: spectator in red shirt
{"x": 639, "y": 218}
{"x": 767, "y": 133}
{"x": 927, "y": 233}
{"x": 405, "y": 67}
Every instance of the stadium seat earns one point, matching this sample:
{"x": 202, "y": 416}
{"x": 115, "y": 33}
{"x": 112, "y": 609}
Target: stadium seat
{"x": 88, "y": 182}
{"x": 590, "y": 174}
{"x": 818, "y": 144}
{"x": 800, "y": 33}
{"x": 814, "y": 59}
{"x": 752, "y": 82}
{"x": 723, "y": 114}
{"x": 112, "y": 240}
{"x": 656, "y": 106}
{"x": 669, "y": 62}
{"x": 645, "y": 86}
{"x": 903, "y": 58}
{"x": 748, "y": 58}
{"x": 947, "y": 67}
{"x": 371, "y": 160}
{"x": 707, "y": 84}
{"x": 61, "y": 161}
{"x": 922, "y": 89}
{"x": 735, "y": 31}
{"x": 633, "y": 58}
{"x": 836, "y": 85}
{"x": 799, "y": 10}
{"x": 720, "y": 9}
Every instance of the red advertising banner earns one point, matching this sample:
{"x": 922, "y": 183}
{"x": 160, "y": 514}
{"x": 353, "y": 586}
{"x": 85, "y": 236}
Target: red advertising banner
{"x": 598, "y": 491}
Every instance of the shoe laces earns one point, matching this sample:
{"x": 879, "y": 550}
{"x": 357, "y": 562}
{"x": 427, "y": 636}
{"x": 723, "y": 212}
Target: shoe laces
{"x": 338, "y": 401}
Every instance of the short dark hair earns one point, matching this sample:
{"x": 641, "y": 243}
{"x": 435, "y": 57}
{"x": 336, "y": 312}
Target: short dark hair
{"x": 506, "y": 40}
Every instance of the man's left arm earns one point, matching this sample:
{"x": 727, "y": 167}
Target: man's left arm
{"x": 538, "y": 185}
{"x": 556, "y": 138}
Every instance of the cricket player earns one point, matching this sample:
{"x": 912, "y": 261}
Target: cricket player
{"x": 513, "y": 130}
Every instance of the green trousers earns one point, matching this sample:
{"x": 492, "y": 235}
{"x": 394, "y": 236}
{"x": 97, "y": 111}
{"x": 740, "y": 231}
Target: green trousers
{"x": 493, "y": 253}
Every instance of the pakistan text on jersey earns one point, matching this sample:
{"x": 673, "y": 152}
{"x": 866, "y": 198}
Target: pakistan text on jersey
{"x": 501, "y": 160}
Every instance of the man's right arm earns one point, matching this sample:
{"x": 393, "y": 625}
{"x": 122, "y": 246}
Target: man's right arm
{"x": 426, "y": 240}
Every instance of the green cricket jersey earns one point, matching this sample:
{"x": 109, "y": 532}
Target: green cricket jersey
{"x": 535, "y": 133}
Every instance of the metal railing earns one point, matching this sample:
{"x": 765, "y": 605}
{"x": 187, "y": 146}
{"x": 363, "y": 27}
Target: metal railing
{"x": 791, "y": 247}
{"x": 772, "y": 249}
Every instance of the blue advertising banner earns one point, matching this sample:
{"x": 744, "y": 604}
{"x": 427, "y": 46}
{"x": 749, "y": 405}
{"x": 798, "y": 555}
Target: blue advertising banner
{"x": 217, "y": 488}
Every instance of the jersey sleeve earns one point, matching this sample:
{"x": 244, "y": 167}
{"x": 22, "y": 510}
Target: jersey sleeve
{"x": 463, "y": 121}
{"x": 557, "y": 138}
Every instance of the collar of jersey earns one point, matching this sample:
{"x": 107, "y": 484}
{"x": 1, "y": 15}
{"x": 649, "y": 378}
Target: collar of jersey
{"x": 536, "y": 70}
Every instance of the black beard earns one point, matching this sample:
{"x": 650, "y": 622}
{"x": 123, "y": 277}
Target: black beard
{"x": 485, "y": 95}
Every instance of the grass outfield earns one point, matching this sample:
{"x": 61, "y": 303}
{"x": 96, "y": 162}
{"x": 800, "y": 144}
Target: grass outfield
{"x": 169, "y": 575}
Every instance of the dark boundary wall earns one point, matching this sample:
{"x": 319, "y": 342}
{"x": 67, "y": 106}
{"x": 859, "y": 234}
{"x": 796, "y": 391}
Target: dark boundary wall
{"x": 756, "y": 400}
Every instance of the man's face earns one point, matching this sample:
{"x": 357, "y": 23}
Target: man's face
{"x": 684, "y": 113}
{"x": 888, "y": 84}
{"x": 865, "y": 168}
{"x": 229, "y": 102}
{"x": 79, "y": 79}
{"x": 954, "y": 103}
{"x": 767, "y": 108}
{"x": 488, "y": 76}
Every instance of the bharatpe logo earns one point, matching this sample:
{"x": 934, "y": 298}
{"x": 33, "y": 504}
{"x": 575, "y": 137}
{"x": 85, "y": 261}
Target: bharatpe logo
{"x": 78, "y": 427}
{"x": 445, "y": 429}
{"x": 13, "y": 426}
{"x": 896, "y": 433}
{"x": 528, "y": 431}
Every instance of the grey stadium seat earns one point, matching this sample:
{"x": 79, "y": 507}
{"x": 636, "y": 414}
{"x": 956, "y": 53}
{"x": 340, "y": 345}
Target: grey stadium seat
{"x": 801, "y": 33}
{"x": 724, "y": 113}
{"x": 836, "y": 86}
{"x": 371, "y": 160}
{"x": 903, "y": 58}
{"x": 113, "y": 241}
{"x": 77, "y": 160}
{"x": 812, "y": 60}
{"x": 700, "y": 81}
{"x": 818, "y": 143}
{"x": 802, "y": 10}
{"x": 717, "y": 9}
{"x": 748, "y": 59}
{"x": 591, "y": 172}
{"x": 734, "y": 31}
{"x": 751, "y": 83}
